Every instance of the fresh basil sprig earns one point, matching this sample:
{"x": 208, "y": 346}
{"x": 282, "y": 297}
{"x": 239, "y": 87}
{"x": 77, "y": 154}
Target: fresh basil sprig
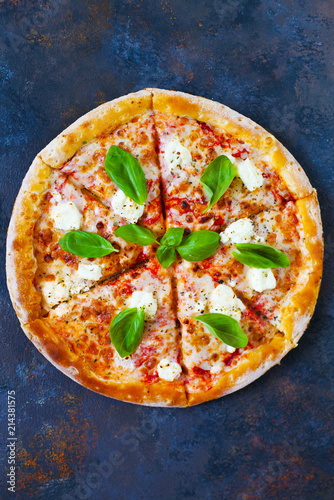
{"x": 198, "y": 245}
{"x": 260, "y": 256}
{"x": 136, "y": 234}
{"x": 166, "y": 256}
{"x": 126, "y": 330}
{"x": 86, "y": 244}
{"x": 127, "y": 173}
{"x": 217, "y": 178}
{"x": 194, "y": 247}
{"x": 225, "y": 328}
{"x": 173, "y": 237}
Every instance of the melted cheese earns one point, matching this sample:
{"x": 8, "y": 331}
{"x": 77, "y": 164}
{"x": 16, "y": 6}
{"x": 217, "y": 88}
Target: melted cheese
{"x": 241, "y": 231}
{"x": 250, "y": 175}
{"x": 147, "y": 300}
{"x": 169, "y": 370}
{"x": 224, "y": 301}
{"x": 260, "y": 279}
{"x": 176, "y": 155}
{"x": 66, "y": 216}
{"x": 126, "y": 208}
{"x": 89, "y": 271}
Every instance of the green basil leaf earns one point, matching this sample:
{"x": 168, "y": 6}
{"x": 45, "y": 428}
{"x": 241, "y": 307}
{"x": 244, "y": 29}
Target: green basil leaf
{"x": 136, "y": 234}
{"x": 86, "y": 244}
{"x": 126, "y": 330}
{"x": 198, "y": 245}
{"x": 225, "y": 328}
{"x": 260, "y": 256}
{"x": 166, "y": 256}
{"x": 217, "y": 177}
{"x": 126, "y": 171}
{"x": 173, "y": 237}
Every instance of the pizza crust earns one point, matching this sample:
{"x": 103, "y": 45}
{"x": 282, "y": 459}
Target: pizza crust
{"x": 21, "y": 264}
{"x": 299, "y": 304}
{"x": 222, "y": 117}
{"x": 57, "y": 352}
{"x": 103, "y": 119}
{"x": 251, "y": 367}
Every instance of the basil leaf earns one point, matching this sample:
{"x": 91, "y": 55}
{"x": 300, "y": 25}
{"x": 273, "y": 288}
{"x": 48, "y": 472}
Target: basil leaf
{"x": 173, "y": 237}
{"x": 217, "y": 177}
{"x": 136, "y": 234}
{"x": 166, "y": 256}
{"x": 225, "y": 328}
{"x": 198, "y": 245}
{"x": 260, "y": 256}
{"x": 86, "y": 244}
{"x": 126, "y": 171}
{"x": 126, "y": 330}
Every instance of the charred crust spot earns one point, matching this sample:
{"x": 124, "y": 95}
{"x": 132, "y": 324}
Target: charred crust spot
{"x": 99, "y": 225}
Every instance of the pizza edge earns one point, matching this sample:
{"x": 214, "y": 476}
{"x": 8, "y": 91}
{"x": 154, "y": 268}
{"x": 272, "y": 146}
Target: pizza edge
{"x": 251, "y": 367}
{"x": 104, "y": 118}
{"x": 55, "y": 349}
{"x": 299, "y": 305}
{"x": 21, "y": 263}
{"x": 220, "y": 116}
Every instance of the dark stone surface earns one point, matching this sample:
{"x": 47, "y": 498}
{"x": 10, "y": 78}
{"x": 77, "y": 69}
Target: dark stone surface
{"x": 269, "y": 60}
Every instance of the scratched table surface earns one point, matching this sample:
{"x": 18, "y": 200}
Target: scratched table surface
{"x": 270, "y": 61}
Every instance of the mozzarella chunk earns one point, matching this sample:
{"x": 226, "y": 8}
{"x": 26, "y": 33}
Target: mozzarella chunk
{"x": 66, "y": 216}
{"x": 260, "y": 279}
{"x": 146, "y": 299}
{"x": 250, "y": 175}
{"x": 241, "y": 231}
{"x": 126, "y": 208}
{"x": 54, "y": 293}
{"x": 169, "y": 370}
{"x": 224, "y": 301}
{"x": 176, "y": 155}
{"x": 89, "y": 271}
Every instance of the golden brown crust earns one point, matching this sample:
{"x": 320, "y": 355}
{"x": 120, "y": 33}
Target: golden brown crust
{"x": 222, "y": 117}
{"x": 21, "y": 263}
{"x": 104, "y": 118}
{"x": 252, "y": 366}
{"x": 299, "y": 304}
{"x": 54, "y": 348}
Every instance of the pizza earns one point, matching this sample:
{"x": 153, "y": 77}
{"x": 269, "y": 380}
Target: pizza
{"x": 164, "y": 250}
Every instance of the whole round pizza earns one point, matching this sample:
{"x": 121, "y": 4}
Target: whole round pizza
{"x": 164, "y": 250}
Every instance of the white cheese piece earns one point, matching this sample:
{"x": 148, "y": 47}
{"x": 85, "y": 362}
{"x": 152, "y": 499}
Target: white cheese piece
{"x": 217, "y": 367}
{"x": 224, "y": 301}
{"x": 176, "y": 155}
{"x": 126, "y": 208}
{"x": 66, "y": 216}
{"x": 146, "y": 299}
{"x": 260, "y": 279}
{"x": 169, "y": 370}
{"x": 241, "y": 231}
{"x": 89, "y": 271}
{"x": 250, "y": 175}
{"x": 55, "y": 292}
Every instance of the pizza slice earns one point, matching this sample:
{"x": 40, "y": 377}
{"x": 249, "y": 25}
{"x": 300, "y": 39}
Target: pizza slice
{"x": 87, "y": 169}
{"x": 60, "y": 274}
{"x": 285, "y": 296}
{"x": 192, "y": 133}
{"x": 75, "y": 337}
{"x": 213, "y": 367}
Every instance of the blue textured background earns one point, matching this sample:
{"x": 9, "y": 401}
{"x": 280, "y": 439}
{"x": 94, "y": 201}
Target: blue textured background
{"x": 272, "y": 62}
